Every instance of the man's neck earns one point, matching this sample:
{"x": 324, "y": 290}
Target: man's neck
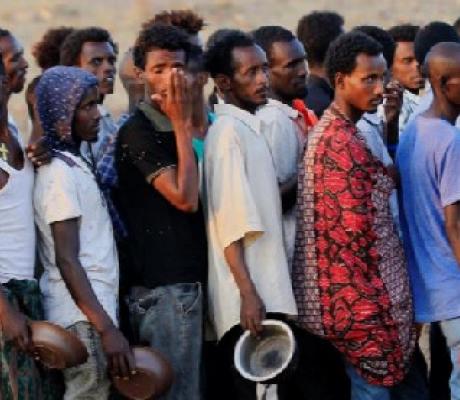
{"x": 413, "y": 91}
{"x": 4, "y": 123}
{"x": 443, "y": 110}
{"x": 276, "y": 96}
{"x": 350, "y": 112}
{"x": 230, "y": 99}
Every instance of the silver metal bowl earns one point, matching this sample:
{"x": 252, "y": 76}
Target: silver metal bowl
{"x": 266, "y": 358}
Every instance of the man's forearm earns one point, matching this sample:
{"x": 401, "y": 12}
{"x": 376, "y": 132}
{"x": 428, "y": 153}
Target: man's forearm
{"x": 234, "y": 255}
{"x": 187, "y": 169}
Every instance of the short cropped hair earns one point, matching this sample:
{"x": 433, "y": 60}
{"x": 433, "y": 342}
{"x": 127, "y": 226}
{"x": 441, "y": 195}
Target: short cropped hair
{"x": 71, "y": 47}
{"x": 383, "y": 37}
{"x": 157, "y": 36}
{"x": 219, "y": 55}
{"x": 316, "y": 31}
{"x": 431, "y": 34}
{"x": 342, "y": 53}
{"x": 47, "y": 51}
{"x": 4, "y": 33}
{"x": 265, "y": 36}
{"x": 404, "y": 33}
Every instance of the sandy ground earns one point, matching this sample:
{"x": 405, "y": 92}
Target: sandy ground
{"x": 29, "y": 19}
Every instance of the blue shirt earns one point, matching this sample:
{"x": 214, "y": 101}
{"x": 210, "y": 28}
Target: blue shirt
{"x": 428, "y": 160}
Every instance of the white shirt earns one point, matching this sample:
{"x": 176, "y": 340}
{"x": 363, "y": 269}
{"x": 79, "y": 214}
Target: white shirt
{"x": 284, "y": 140}
{"x": 17, "y": 229}
{"x": 409, "y": 105}
{"x": 243, "y": 202}
{"x": 64, "y": 192}
{"x": 370, "y": 127}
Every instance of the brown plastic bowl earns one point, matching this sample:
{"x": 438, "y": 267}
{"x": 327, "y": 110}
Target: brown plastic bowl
{"x": 153, "y": 378}
{"x": 56, "y": 347}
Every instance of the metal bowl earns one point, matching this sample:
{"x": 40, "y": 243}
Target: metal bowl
{"x": 55, "y": 347}
{"x": 266, "y": 359}
{"x": 153, "y": 378}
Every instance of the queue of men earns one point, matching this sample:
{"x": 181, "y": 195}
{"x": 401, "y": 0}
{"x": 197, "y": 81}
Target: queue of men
{"x": 317, "y": 186}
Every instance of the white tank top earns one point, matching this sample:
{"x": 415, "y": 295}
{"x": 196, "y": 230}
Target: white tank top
{"x": 17, "y": 229}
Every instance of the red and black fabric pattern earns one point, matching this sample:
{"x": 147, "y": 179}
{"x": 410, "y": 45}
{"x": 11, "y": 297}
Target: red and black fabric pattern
{"x": 349, "y": 275}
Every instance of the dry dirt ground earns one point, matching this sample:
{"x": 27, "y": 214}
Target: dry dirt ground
{"x": 28, "y": 19}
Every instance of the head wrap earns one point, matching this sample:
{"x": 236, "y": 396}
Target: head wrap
{"x": 59, "y": 92}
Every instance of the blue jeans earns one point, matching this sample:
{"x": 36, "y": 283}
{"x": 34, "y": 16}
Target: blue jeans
{"x": 451, "y": 330}
{"x": 170, "y": 319}
{"x": 413, "y": 387}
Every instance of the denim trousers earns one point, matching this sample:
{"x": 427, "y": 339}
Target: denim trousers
{"x": 413, "y": 387}
{"x": 170, "y": 320}
{"x": 451, "y": 330}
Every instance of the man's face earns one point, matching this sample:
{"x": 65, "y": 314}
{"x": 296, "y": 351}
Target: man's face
{"x": 363, "y": 87}
{"x": 406, "y": 69}
{"x": 159, "y": 64}
{"x": 3, "y": 89}
{"x": 249, "y": 84}
{"x": 14, "y": 62}
{"x": 288, "y": 70}
{"x": 99, "y": 58}
{"x": 452, "y": 85}
{"x": 87, "y": 117}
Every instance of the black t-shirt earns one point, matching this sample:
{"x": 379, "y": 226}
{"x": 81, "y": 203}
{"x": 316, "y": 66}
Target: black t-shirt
{"x": 319, "y": 96}
{"x": 167, "y": 245}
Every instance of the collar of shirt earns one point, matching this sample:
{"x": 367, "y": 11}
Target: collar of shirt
{"x": 373, "y": 119}
{"x": 288, "y": 110}
{"x": 159, "y": 120}
{"x": 250, "y": 120}
{"x": 410, "y": 97}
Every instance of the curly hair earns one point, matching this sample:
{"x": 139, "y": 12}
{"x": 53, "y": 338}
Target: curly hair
{"x": 431, "y": 34}
{"x": 404, "y": 33}
{"x": 71, "y": 47}
{"x": 265, "y": 36}
{"x": 187, "y": 20}
{"x": 4, "y": 33}
{"x": 383, "y": 37}
{"x": 457, "y": 23}
{"x": 342, "y": 53}
{"x": 166, "y": 37}
{"x": 316, "y": 31}
{"x": 219, "y": 57}
{"x": 46, "y": 51}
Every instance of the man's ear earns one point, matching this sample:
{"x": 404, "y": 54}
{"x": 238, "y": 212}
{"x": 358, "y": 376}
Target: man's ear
{"x": 138, "y": 72}
{"x": 339, "y": 80}
{"x": 223, "y": 82}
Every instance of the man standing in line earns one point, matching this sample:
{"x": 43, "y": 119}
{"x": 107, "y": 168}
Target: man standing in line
{"x": 428, "y": 157}
{"x": 159, "y": 199}
{"x": 349, "y": 276}
{"x": 248, "y": 269}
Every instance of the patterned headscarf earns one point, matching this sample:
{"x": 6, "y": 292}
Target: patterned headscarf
{"x": 59, "y": 93}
